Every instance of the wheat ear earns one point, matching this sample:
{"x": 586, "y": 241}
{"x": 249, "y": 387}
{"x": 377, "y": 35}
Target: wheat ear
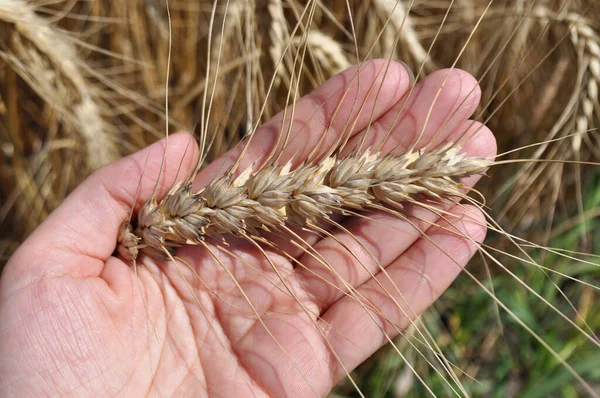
{"x": 276, "y": 195}
{"x": 587, "y": 43}
{"x": 45, "y": 58}
{"x": 585, "y": 38}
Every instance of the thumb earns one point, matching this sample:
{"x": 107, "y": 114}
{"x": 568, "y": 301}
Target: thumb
{"x": 81, "y": 234}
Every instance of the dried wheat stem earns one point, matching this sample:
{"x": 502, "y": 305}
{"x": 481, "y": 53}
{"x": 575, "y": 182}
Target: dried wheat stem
{"x": 44, "y": 57}
{"x": 275, "y": 195}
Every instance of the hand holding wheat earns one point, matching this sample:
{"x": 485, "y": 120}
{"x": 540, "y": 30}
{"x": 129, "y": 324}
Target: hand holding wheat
{"x": 76, "y": 320}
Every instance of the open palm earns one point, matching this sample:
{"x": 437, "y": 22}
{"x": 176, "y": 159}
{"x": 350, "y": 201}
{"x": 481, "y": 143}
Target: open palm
{"x": 74, "y": 320}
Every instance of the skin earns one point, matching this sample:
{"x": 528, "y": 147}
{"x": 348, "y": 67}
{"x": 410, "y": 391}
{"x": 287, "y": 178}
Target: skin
{"x": 77, "y": 321}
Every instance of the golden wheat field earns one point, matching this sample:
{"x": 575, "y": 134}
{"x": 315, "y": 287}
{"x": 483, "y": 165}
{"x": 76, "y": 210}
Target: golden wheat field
{"x": 298, "y": 240}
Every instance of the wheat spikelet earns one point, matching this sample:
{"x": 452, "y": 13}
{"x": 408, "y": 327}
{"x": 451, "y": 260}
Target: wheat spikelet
{"x": 44, "y": 57}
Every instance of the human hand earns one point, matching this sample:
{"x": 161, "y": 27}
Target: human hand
{"x": 74, "y": 320}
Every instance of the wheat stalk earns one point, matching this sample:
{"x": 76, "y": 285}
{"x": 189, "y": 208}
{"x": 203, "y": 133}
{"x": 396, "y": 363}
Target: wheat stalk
{"x": 276, "y": 195}
{"x": 45, "y": 58}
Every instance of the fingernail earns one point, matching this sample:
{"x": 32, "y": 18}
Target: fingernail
{"x": 411, "y": 75}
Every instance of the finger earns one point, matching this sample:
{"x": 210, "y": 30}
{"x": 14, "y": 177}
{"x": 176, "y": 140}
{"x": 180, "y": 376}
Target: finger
{"x": 373, "y": 242}
{"x": 81, "y": 233}
{"x": 418, "y": 278}
{"x": 432, "y": 111}
{"x": 322, "y": 116}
